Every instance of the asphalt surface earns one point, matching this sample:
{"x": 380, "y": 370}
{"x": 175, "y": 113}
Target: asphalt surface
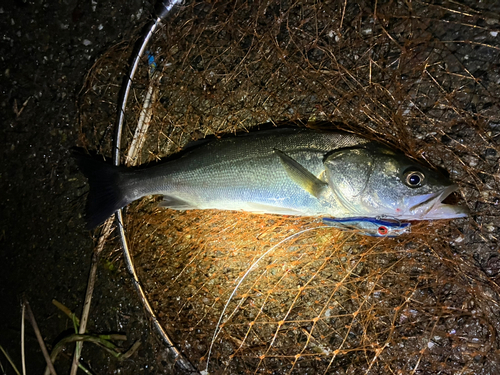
{"x": 46, "y": 50}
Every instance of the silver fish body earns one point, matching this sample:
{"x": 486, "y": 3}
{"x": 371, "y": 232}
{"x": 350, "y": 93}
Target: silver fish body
{"x": 283, "y": 171}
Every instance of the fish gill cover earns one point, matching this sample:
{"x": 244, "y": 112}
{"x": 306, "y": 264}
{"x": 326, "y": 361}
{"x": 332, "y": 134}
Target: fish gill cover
{"x": 227, "y": 287}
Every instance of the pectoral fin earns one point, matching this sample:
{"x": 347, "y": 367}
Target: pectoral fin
{"x": 301, "y": 176}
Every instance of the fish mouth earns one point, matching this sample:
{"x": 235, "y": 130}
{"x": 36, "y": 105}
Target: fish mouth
{"x": 431, "y": 206}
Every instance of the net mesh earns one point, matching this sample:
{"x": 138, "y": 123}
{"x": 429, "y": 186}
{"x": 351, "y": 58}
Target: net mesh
{"x": 279, "y": 295}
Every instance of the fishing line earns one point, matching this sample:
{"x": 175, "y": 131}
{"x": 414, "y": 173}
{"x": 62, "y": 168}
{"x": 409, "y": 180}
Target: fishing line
{"x": 217, "y": 330}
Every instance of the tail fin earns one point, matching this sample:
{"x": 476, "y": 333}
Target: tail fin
{"x": 105, "y": 195}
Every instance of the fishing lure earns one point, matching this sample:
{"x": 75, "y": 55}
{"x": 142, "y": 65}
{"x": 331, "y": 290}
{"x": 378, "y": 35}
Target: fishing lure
{"x": 375, "y": 227}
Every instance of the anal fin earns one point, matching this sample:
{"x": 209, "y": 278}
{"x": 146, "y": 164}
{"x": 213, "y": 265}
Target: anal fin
{"x": 176, "y": 204}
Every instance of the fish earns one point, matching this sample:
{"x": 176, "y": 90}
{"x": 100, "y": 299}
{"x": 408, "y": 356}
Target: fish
{"x": 374, "y": 227}
{"x": 283, "y": 171}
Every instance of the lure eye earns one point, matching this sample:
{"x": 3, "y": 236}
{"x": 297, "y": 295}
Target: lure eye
{"x": 382, "y": 230}
{"x": 414, "y": 179}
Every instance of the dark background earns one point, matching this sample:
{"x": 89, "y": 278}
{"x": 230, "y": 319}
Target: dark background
{"x": 46, "y": 49}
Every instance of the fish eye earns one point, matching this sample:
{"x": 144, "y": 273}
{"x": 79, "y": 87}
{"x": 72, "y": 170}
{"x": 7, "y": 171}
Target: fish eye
{"x": 382, "y": 230}
{"x": 414, "y": 178}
